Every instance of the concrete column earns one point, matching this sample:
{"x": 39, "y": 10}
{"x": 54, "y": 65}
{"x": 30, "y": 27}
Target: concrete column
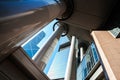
{"x": 70, "y": 60}
{"x": 81, "y": 53}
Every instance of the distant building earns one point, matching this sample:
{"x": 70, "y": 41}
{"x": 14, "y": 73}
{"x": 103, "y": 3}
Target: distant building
{"x": 31, "y": 47}
{"x": 58, "y": 66}
{"x": 90, "y": 66}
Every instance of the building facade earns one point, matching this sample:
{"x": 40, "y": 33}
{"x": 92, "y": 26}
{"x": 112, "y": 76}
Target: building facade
{"x": 58, "y": 67}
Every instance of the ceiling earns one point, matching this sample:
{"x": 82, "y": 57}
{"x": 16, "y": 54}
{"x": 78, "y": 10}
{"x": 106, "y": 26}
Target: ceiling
{"x": 89, "y": 15}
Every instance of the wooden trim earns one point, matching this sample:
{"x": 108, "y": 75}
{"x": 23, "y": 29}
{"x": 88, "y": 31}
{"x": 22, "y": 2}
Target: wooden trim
{"x": 104, "y": 59}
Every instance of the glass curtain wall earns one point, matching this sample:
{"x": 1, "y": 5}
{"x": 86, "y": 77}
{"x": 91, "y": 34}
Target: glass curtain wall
{"x": 90, "y": 59}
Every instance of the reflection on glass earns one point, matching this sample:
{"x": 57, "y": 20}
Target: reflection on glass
{"x": 31, "y": 47}
{"x": 90, "y": 59}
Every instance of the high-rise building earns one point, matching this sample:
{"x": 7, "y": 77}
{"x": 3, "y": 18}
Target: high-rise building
{"x": 90, "y": 66}
{"x": 58, "y": 67}
{"x": 31, "y": 47}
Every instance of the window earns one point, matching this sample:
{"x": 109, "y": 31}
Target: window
{"x": 31, "y": 46}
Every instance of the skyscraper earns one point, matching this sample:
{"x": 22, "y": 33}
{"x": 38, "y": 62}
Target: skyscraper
{"x": 58, "y": 67}
{"x": 31, "y": 47}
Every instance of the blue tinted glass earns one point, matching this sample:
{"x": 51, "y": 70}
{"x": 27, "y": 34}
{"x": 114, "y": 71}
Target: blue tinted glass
{"x": 94, "y": 51}
{"x": 88, "y": 62}
{"x": 31, "y": 47}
